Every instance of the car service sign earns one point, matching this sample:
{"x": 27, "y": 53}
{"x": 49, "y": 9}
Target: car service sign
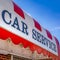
{"x": 19, "y": 23}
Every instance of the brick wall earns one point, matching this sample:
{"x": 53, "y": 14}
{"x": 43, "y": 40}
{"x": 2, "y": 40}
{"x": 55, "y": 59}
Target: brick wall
{"x": 5, "y": 57}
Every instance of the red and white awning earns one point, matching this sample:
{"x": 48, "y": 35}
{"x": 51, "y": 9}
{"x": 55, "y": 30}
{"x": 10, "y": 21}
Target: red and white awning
{"x": 21, "y": 28}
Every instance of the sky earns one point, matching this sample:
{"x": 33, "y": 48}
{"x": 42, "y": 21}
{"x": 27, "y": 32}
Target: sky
{"x": 46, "y": 12}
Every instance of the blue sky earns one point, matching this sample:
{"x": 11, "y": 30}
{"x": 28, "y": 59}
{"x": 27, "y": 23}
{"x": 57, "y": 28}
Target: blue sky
{"x": 46, "y": 12}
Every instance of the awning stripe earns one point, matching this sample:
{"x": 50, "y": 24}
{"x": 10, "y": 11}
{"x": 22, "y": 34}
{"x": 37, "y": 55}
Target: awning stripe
{"x": 18, "y": 10}
{"x": 49, "y": 34}
{"x": 37, "y": 25}
{"x": 57, "y": 43}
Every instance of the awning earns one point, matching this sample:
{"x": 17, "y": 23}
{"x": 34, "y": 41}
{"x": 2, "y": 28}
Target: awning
{"x": 23, "y": 29}
{"x": 4, "y": 34}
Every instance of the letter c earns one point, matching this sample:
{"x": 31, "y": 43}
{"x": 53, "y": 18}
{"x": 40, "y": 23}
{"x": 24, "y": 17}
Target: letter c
{"x": 3, "y": 16}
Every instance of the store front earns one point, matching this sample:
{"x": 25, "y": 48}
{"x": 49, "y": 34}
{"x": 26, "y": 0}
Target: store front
{"x": 22, "y": 37}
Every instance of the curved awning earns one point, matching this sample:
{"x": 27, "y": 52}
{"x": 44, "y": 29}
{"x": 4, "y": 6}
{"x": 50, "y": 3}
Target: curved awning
{"x": 23, "y": 29}
{"x": 16, "y": 40}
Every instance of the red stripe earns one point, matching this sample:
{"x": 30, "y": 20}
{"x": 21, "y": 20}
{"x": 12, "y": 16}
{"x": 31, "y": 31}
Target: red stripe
{"x": 4, "y": 34}
{"x": 37, "y": 25}
{"x": 57, "y": 42}
{"x": 49, "y": 34}
{"x": 18, "y": 10}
